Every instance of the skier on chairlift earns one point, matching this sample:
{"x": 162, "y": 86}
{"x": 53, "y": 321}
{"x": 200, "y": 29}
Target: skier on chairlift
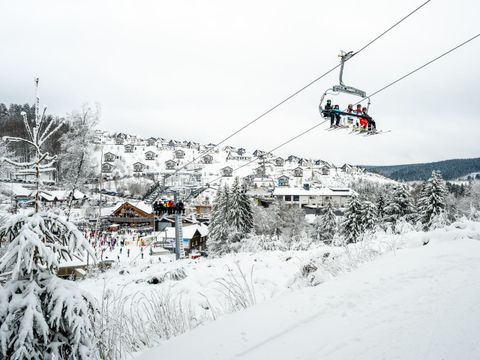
{"x": 370, "y": 122}
{"x": 328, "y": 112}
{"x": 336, "y": 112}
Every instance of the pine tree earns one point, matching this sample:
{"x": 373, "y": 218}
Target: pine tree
{"x": 432, "y": 202}
{"x": 240, "y": 215}
{"x": 329, "y": 224}
{"x": 369, "y": 216}
{"x": 352, "y": 224}
{"x": 218, "y": 228}
{"x": 42, "y": 316}
{"x": 400, "y": 206}
{"x": 380, "y": 206}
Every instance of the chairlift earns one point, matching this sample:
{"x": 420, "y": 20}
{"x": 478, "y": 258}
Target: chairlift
{"x": 342, "y": 88}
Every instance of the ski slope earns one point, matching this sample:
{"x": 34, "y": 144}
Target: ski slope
{"x": 419, "y": 302}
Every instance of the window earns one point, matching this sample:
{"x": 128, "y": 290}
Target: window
{"x": 296, "y": 197}
{"x": 288, "y": 198}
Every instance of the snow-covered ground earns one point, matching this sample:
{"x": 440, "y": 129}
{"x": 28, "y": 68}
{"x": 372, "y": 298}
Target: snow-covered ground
{"x": 388, "y": 297}
{"x": 410, "y": 302}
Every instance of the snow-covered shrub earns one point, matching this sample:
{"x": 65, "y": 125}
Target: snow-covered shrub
{"x": 132, "y": 323}
{"x": 237, "y": 289}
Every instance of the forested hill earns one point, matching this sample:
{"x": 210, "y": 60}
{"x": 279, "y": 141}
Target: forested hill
{"x": 451, "y": 169}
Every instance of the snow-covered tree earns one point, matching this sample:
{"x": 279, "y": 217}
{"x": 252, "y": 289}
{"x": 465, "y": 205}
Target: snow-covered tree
{"x": 400, "y": 206}
{"x": 380, "y": 206}
{"x": 77, "y": 162}
{"x": 328, "y": 224}
{"x": 240, "y": 215}
{"x": 432, "y": 202}
{"x": 5, "y": 168}
{"x": 369, "y": 215}
{"x": 352, "y": 226}
{"x": 218, "y": 229}
{"x": 42, "y": 316}
{"x": 39, "y": 130}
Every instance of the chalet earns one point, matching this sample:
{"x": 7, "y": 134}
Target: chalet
{"x": 150, "y": 155}
{"x": 339, "y": 197}
{"x": 259, "y": 153}
{"x": 325, "y": 170}
{"x": 129, "y": 148}
{"x": 107, "y": 168}
{"x": 131, "y": 215}
{"x": 194, "y": 237}
{"x": 109, "y": 157}
{"x": 283, "y": 180}
{"x": 304, "y": 162}
{"x": 120, "y": 138}
{"x": 227, "y": 171}
{"x": 279, "y": 162}
{"x": 260, "y": 171}
{"x": 172, "y": 143}
{"x": 207, "y": 159}
{"x": 298, "y": 172}
{"x": 293, "y": 159}
{"x": 228, "y": 148}
{"x": 139, "y": 167}
{"x": 179, "y": 154}
{"x": 234, "y": 156}
{"x": 241, "y": 151}
{"x": 152, "y": 141}
{"x": 347, "y": 168}
{"x": 170, "y": 164}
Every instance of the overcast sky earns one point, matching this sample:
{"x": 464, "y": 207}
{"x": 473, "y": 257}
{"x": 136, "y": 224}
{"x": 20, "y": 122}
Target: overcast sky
{"x": 199, "y": 70}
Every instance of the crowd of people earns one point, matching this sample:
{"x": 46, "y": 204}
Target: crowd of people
{"x": 357, "y": 118}
{"x": 161, "y": 207}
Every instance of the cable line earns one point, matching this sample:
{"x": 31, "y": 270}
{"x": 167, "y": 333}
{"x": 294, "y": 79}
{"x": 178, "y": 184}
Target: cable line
{"x": 298, "y": 91}
{"x": 371, "y": 95}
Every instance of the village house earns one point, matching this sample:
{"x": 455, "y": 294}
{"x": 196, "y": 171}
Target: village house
{"x": 150, "y": 155}
{"x": 241, "y": 151}
{"x": 293, "y": 159}
{"x": 107, "y": 168}
{"x": 139, "y": 167}
{"x": 298, "y": 172}
{"x": 279, "y": 162}
{"x": 259, "y": 153}
{"x": 283, "y": 180}
{"x": 109, "y": 157}
{"x": 312, "y": 198}
{"x": 235, "y": 156}
{"x": 207, "y": 159}
{"x": 152, "y": 141}
{"x": 194, "y": 238}
{"x": 129, "y": 148}
{"x": 179, "y": 154}
{"x": 260, "y": 171}
{"x": 227, "y": 171}
{"x": 170, "y": 164}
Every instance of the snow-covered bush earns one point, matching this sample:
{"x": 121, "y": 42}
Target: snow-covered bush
{"x": 237, "y": 289}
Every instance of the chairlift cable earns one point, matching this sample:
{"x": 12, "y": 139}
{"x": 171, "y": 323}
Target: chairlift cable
{"x": 373, "y": 94}
{"x": 299, "y": 90}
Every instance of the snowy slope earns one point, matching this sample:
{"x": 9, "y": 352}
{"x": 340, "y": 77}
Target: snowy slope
{"x": 419, "y": 302}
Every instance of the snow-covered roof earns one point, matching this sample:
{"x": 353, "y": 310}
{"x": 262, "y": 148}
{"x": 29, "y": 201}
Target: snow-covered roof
{"x": 281, "y": 191}
{"x": 188, "y": 231}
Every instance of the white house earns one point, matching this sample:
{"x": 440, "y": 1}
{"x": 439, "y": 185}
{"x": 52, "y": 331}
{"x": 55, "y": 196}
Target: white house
{"x": 339, "y": 197}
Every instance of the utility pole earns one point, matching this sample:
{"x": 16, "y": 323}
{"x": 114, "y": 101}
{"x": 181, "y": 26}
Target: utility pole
{"x": 179, "y": 252}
